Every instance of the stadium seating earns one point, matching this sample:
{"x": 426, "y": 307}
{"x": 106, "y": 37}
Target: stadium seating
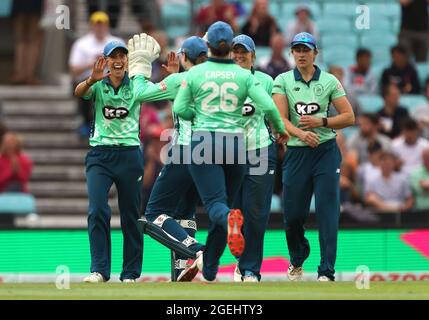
{"x": 345, "y": 9}
{"x": 378, "y": 39}
{"x": 327, "y": 25}
{"x": 349, "y": 131}
{"x": 411, "y": 101}
{"x": 328, "y": 40}
{"x": 5, "y": 8}
{"x": 17, "y": 203}
{"x": 289, "y": 8}
{"x": 340, "y": 55}
{"x": 423, "y": 71}
{"x": 390, "y": 9}
{"x": 370, "y": 103}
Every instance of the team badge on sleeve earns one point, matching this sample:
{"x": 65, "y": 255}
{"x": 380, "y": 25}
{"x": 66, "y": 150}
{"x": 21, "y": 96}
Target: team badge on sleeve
{"x": 163, "y": 86}
{"x": 184, "y": 84}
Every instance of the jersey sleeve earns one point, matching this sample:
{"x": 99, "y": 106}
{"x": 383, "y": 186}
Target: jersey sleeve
{"x": 278, "y": 85}
{"x": 263, "y": 100}
{"x": 269, "y": 86}
{"x": 165, "y": 90}
{"x": 90, "y": 94}
{"x": 337, "y": 89}
{"x": 182, "y": 103}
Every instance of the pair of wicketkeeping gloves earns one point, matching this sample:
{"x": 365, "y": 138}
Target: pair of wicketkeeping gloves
{"x": 142, "y": 51}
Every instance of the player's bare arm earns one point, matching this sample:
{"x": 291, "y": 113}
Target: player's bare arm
{"x": 97, "y": 74}
{"x": 345, "y": 117}
{"x": 309, "y": 137}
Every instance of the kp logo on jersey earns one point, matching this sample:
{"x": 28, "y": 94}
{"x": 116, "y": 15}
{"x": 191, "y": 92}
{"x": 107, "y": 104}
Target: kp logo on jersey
{"x": 247, "y": 110}
{"x": 303, "y": 108}
{"x": 115, "y": 113}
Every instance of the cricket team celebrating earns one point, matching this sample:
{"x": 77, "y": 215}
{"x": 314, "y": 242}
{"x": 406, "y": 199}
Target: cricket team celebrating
{"x": 229, "y": 121}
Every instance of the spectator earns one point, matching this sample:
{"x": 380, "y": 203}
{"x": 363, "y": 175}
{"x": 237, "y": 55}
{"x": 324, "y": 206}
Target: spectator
{"x": 349, "y": 164}
{"x": 366, "y": 136}
{"x": 3, "y": 130}
{"x": 391, "y": 114}
{"x": 420, "y": 183}
{"x": 278, "y": 63}
{"x": 409, "y": 146}
{"x": 302, "y": 23}
{"x": 217, "y": 10}
{"x": 414, "y": 33}
{"x": 260, "y": 25}
{"x": 28, "y": 40}
{"x": 15, "y": 166}
{"x": 389, "y": 191}
{"x": 83, "y": 54}
{"x": 359, "y": 79}
{"x": 338, "y": 72}
{"x": 369, "y": 168}
{"x": 421, "y": 113}
{"x": 401, "y": 72}
{"x": 111, "y": 7}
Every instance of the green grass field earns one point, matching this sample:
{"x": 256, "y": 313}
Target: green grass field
{"x": 219, "y": 291}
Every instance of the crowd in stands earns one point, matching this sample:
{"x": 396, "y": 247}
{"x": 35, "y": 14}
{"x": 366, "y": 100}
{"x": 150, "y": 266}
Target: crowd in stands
{"x": 16, "y": 167}
{"x": 385, "y": 156}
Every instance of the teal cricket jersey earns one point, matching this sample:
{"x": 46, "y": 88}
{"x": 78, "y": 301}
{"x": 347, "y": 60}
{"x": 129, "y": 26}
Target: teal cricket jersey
{"x": 117, "y": 112}
{"x": 167, "y": 89}
{"x": 258, "y": 133}
{"x": 309, "y": 98}
{"x": 218, "y": 88}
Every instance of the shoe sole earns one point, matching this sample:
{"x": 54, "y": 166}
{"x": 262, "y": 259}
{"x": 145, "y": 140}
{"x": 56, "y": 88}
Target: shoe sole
{"x": 235, "y": 238}
{"x": 189, "y": 274}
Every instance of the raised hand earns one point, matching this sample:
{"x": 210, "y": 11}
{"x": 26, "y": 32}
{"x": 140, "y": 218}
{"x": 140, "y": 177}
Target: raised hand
{"x": 173, "y": 65}
{"x": 98, "y": 70}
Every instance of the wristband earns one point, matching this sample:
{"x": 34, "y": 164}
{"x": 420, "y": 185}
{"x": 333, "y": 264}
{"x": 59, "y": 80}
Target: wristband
{"x": 89, "y": 85}
{"x": 325, "y": 122}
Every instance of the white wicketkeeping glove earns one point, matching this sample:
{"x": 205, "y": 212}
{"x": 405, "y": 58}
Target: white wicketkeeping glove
{"x": 142, "y": 50}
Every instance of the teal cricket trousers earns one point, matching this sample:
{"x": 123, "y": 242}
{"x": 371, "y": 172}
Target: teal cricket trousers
{"x": 124, "y": 167}
{"x": 306, "y": 171}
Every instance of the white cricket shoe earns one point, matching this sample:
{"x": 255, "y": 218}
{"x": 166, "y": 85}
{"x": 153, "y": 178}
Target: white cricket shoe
{"x": 129, "y": 281}
{"x": 295, "y": 273}
{"x": 237, "y": 274}
{"x": 250, "y": 277}
{"x": 94, "y": 277}
{"x": 323, "y": 279}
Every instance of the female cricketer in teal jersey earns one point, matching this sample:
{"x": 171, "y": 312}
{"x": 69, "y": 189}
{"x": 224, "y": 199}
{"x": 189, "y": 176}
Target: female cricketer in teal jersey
{"x": 254, "y": 197}
{"x": 312, "y": 161}
{"x": 115, "y": 156}
{"x": 218, "y": 89}
{"x": 173, "y": 200}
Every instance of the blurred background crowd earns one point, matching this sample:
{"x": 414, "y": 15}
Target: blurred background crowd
{"x": 382, "y": 60}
